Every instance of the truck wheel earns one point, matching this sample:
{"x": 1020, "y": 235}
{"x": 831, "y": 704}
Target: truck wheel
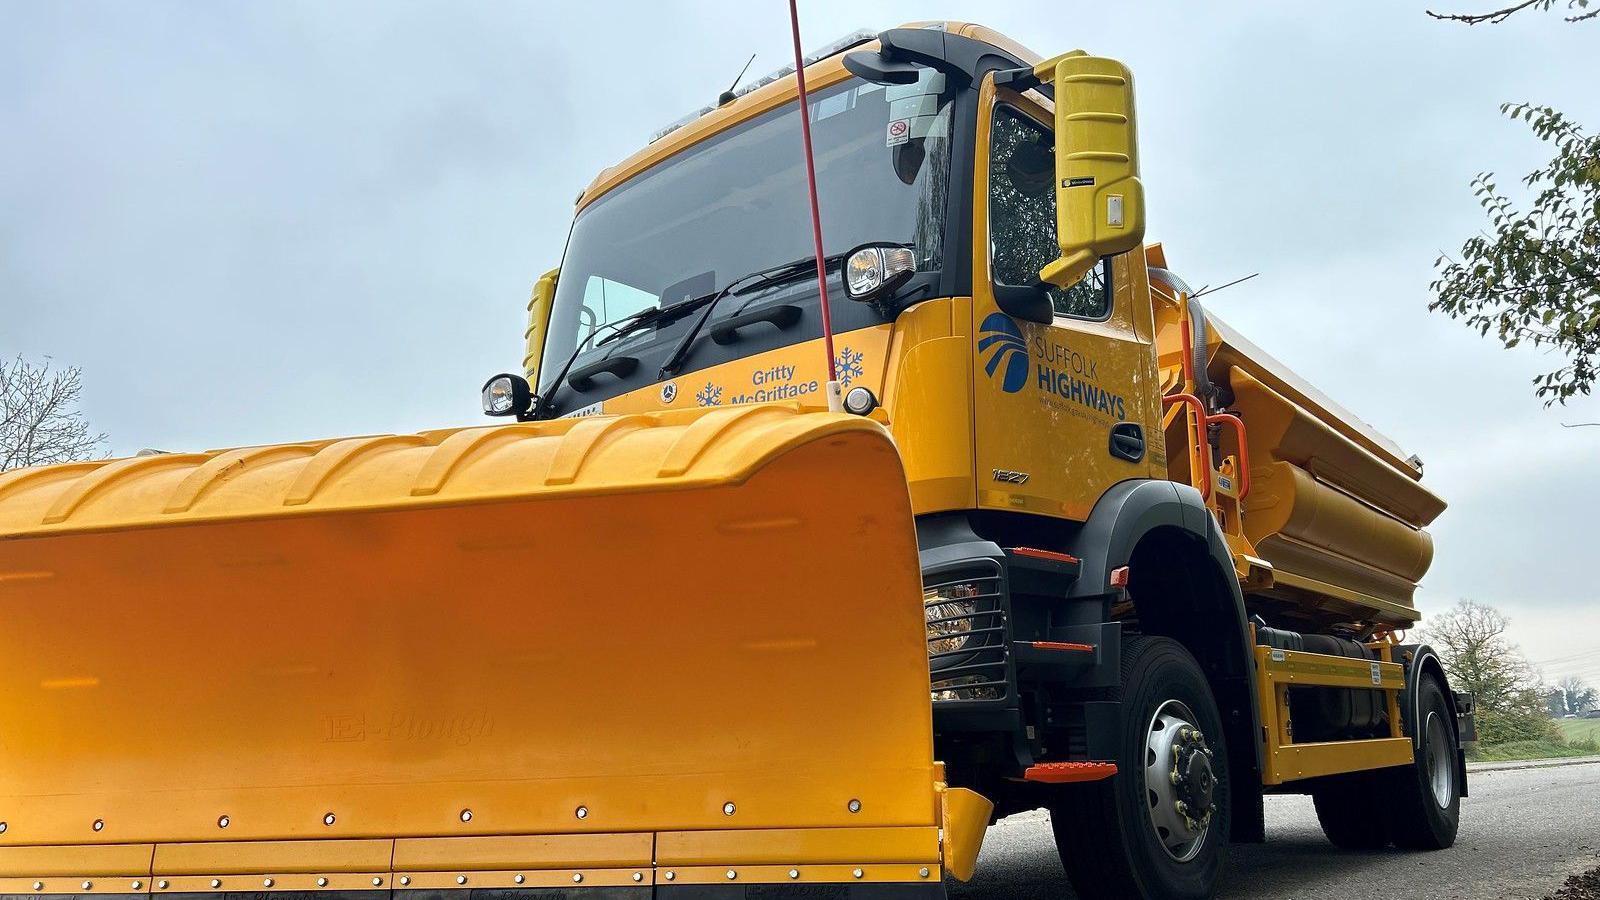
{"x": 1147, "y": 832}
{"x": 1348, "y": 811}
{"x": 1427, "y": 812}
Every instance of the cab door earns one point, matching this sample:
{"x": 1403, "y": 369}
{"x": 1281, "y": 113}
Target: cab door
{"x": 1067, "y": 409}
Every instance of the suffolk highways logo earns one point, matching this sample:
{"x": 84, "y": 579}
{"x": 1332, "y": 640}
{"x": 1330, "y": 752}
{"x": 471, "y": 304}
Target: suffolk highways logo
{"x": 1002, "y": 341}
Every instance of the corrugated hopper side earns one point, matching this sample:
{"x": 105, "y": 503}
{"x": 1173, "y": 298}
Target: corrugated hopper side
{"x": 1335, "y": 506}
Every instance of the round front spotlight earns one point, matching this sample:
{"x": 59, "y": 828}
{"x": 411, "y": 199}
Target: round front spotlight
{"x": 860, "y": 401}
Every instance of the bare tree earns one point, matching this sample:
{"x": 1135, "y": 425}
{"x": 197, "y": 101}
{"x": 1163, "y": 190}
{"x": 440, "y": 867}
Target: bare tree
{"x": 1556, "y": 702}
{"x": 1471, "y": 640}
{"x": 40, "y": 422}
{"x": 1580, "y": 697}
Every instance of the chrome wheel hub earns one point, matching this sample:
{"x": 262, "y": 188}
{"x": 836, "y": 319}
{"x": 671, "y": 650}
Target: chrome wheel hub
{"x": 1179, "y": 780}
{"x": 1441, "y": 768}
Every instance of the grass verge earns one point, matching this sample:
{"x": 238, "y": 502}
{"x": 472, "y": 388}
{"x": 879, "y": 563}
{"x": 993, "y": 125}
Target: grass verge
{"x": 1580, "y": 730}
{"x": 1546, "y": 749}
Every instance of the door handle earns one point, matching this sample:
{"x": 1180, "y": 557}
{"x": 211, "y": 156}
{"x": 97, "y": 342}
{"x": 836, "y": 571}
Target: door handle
{"x": 1127, "y": 441}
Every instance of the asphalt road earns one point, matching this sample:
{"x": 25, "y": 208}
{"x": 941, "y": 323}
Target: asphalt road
{"x": 1522, "y": 832}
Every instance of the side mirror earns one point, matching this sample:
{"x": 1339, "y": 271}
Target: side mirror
{"x": 539, "y": 303}
{"x": 1099, "y": 199}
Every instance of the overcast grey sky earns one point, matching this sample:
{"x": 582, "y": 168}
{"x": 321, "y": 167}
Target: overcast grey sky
{"x": 269, "y": 221}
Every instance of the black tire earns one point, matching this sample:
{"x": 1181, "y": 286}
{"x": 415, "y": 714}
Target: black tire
{"x": 1351, "y": 812}
{"x": 1426, "y": 812}
{"x": 1368, "y": 810}
{"x": 1104, "y": 831}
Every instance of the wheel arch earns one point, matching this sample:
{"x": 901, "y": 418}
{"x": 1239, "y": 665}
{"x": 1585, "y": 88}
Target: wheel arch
{"x": 1424, "y": 661}
{"x": 1182, "y": 583}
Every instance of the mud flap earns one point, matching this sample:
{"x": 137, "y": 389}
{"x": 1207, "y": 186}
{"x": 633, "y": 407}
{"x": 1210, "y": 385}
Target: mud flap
{"x": 646, "y": 625}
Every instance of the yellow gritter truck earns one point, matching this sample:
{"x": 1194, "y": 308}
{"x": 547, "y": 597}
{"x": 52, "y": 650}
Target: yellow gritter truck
{"x": 679, "y": 631}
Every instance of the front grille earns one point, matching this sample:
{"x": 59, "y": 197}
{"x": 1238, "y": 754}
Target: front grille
{"x": 966, "y": 619}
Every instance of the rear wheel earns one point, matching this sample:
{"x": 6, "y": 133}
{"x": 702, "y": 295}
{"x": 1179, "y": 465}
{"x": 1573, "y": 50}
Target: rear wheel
{"x": 1418, "y": 806}
{"x": 1428, "y": 792}
{"x": 1159, "y": 827}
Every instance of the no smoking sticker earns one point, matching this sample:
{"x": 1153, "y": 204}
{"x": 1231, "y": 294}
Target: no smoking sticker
{"x": 899, "y": 132}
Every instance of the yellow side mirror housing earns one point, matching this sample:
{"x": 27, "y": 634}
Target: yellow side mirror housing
{"x": 539, "y": 304}
{"x": 1099, "y": 198}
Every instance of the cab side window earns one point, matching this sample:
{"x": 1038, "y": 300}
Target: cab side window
{"x": 1022, "y": 215}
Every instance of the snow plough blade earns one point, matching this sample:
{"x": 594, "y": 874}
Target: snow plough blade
{"x": 641, "y": 654}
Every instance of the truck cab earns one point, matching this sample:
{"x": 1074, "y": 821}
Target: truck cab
{"x": 995, "y": 411}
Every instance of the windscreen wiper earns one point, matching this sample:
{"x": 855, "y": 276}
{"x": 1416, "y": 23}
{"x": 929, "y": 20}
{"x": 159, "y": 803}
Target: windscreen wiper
{"x": 622, "y": 327}
{"x": 770, "y": 276}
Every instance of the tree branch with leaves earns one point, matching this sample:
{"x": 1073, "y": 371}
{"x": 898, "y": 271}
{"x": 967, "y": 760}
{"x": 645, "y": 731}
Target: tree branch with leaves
{"x": 1534, "y": 276}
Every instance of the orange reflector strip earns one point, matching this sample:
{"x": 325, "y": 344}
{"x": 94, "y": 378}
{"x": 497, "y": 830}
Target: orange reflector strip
{"x": 1044, "y": 554}
{"x": 1070, "y": 772}
{"x": 1063, "y": 646}
{"x": 1119, "y": 577}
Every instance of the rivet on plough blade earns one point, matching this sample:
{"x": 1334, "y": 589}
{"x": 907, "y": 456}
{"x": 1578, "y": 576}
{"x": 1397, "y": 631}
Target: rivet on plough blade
{"x": 670, "y": 876}
{"x": 222, "y": 822}
{"x": 577, "y": 877}
{"x": 638, "y": 876}
{"x": 858, "y": 873}
{"x": 328, "y": 819}
{"x": 38, "y": 885}
{"x": 137, "y": 885}
{"x": 322, "y": 882}
{"x": 162, "y": 884}
{"x": 732, "y": 874}
{"x": 405, "y": 880}
{"x": 854, "y": 806}
{"x": 794, "y": 873}
{"x": 216, "y": 882}
{"x": 376, "y": 881}
{"x": 923, "y": 872}
{"x": 266, "y": 882}
{"x": 99, "y": 824}
{"x": 466, "y": 815}
{"x": 461, "y": 879}
{"x": 3, "y": 827}
{"x": 582, "y": 812}
{"x": 88, "y": 885}
{"x": 519, "y": 878}
{"x": 729, "y": 809}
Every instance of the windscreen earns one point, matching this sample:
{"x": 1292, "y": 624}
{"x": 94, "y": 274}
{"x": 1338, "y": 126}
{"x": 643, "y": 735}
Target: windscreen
{"x": 737, "y": 203}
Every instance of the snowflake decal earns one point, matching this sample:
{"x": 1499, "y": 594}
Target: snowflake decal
{"x": 710, "y": 395}
{"x": 848, "y": 365}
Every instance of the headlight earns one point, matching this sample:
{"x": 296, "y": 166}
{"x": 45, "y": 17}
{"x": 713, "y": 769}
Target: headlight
{"x": 874, "y": 270}
{"x": 950, "y": 622}
{"x": 506, "y": 395}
